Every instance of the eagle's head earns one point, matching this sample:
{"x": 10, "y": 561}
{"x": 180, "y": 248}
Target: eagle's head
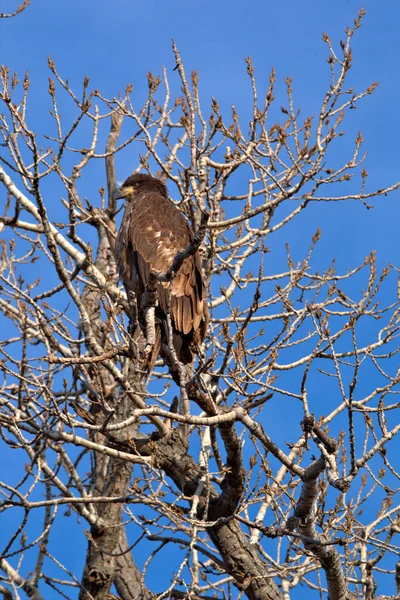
{"x": 142, "y": 183}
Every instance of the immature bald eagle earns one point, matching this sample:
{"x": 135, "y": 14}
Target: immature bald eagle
{"x": 152, "y": 232}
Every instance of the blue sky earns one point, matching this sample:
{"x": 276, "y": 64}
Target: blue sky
{"x": 119, "y": 41}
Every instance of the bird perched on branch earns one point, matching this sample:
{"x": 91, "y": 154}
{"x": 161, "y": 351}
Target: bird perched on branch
{"x": 153, "y": 231}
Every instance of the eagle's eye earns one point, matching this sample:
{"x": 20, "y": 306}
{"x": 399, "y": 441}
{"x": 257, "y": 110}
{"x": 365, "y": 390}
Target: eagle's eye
{"x": 136, "y": 184}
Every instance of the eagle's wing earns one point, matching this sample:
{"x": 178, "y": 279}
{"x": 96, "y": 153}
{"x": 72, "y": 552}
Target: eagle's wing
{"x": 157, "y": 232}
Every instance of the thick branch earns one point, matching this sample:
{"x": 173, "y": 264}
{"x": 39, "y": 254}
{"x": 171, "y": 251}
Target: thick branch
{"x": 241, "y": 558}
{"x": 304, "y": 520}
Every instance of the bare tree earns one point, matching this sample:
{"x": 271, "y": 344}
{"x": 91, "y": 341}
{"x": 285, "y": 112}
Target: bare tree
{"x": 213, "y": 492}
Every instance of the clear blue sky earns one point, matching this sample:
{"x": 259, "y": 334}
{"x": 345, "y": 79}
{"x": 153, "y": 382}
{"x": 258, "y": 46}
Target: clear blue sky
{"x": 118, "y": 41}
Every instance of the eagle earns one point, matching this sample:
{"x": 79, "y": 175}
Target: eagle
{"x": 152, "y": 232}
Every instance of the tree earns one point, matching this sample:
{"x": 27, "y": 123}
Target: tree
{"x": 211, "y": 489}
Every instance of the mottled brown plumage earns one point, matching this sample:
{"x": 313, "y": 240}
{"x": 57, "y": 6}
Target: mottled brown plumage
{"x": 152, "y": 232}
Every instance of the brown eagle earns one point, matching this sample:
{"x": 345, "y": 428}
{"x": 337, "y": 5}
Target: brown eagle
{"x": 152, "y": 232}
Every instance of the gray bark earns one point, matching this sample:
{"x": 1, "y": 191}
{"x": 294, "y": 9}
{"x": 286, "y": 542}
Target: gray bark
{"x": 241, "y": 559}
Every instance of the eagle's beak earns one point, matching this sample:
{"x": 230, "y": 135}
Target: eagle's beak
{"x": 119, "y": 193}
